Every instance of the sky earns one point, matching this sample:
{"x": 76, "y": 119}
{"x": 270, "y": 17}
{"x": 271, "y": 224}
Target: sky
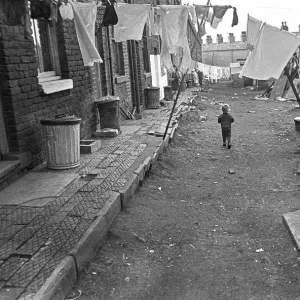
{"x": 273, "y": 12}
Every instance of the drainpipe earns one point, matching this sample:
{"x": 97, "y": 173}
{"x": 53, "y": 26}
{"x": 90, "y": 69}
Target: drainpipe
{"x": 135, "y": 72}
{"x": 110, "y": 63}
{"x": 132, "y": 77}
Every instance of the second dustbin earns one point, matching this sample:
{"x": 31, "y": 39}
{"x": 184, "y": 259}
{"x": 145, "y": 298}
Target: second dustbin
{"x": 152, "y": 97}
{"x": 62, "y": 137}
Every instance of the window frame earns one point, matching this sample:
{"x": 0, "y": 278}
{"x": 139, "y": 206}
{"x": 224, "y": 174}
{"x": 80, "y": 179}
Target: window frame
{"x": 119, "y": 58}
{"x": 50, "y": 81}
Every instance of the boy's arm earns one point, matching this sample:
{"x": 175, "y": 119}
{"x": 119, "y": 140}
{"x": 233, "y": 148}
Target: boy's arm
{"x": 219, "y": 119}
{"x": 232, "y": 119}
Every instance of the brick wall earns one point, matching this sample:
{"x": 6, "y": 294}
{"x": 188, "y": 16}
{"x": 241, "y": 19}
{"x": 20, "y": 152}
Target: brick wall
{"x": 23, "y": 105}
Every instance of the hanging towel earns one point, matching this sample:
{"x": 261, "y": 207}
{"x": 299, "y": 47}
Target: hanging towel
{"x": 110, "y": 16}
{"x": 85, "y": 19}
{"x": 253, "y": 27}
{"x": 235, "y": 18}
{"x": 272, "y": 51}
{"x": 174, "y": 36}
{"x": 132, "y": 20}
{"x": 218, "y": 14}
{"x": 155, "y": 21}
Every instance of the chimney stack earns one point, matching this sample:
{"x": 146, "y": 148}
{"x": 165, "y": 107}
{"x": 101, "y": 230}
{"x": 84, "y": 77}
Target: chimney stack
{"x": 208, "y": 40}
{"x": 244, "y": 36}
{"x": 219, "y": 39}
{"x": 284, "y": 26}
{"x": 231, "y": 38}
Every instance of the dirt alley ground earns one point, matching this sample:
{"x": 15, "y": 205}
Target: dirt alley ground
{"x": 205, "y": 233}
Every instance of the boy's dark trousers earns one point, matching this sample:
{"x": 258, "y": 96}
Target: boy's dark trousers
{"x": 226, "y": 134}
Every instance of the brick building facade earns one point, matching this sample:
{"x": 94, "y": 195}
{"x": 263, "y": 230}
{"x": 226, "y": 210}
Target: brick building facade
{"x": 223, "y": 53}
{"x": 26, "y": 96}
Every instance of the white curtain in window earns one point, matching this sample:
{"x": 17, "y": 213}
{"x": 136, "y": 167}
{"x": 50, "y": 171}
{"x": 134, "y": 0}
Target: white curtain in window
{"x": 85, "y": 19}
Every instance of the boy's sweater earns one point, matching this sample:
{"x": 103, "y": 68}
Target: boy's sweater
{"x": 225, "y": 119}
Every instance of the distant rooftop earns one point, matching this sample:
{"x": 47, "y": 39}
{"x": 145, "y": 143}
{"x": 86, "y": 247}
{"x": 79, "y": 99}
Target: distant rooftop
{"x": 225, "y": 46}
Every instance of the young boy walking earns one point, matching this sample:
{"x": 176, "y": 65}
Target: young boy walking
{"x": 225, "y": 119}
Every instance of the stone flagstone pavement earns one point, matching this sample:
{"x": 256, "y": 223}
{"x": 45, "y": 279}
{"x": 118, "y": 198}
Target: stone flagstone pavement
{"x": 38, "y": 235}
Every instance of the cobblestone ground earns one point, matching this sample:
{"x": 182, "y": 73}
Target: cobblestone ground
{"x": 34, "y": 240}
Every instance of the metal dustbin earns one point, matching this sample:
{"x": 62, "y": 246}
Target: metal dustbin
{"x": 189, "y": 83}
{"x": 168, "y": 93}
{"x": 109, "y": 111}
{"x": 62, "y": 137}
{"x": 152, "y": 95}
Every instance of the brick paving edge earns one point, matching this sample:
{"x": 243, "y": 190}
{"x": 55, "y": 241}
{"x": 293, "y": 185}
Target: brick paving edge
{"x": 64, "y": 277}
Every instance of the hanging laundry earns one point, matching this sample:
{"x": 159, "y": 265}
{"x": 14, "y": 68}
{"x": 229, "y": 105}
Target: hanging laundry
{"x": 235, "y": 18}
{"x": 201, "y": 11}
{"x": 155, "y": 21}
{"x": 253, "y": 27}
{"x": 193, "y": 15}
{"x": 202, "y": 30}
{"x": 40, "y": 9}
{"x": 209, "y": 16}
{"x": 66, "y": 11}
{"x": 218, "y": 14}
{"x": 85, "y": 19}
{"x": 132, "y": 20}
{"x": 272, "y": 51}
{"x": 110, "y": 16}
{"x": 174, "y": 36}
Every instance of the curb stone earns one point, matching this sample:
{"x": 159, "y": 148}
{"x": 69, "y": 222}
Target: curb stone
{"x": 89, "y": 243}
{"x": 173, "y": 132}
{"x": 61, "y": 281}
{"x": 111, "y": 208}
{"x": 129, "y": 189}
{"x": 64, "y": 277}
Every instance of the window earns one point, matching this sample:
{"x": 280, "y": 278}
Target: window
{"x": 45, "y": 42}
{"x": 44, "y": 38}
{"x": 119, "y": 58}
{"x": 146, "y": 56}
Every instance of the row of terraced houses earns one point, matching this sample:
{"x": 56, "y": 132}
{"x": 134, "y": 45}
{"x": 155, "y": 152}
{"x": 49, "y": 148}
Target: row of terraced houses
{"x": 39, "y": 82}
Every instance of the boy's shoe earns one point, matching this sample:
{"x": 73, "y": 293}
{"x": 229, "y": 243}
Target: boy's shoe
{"x": 224, "y": 145}
{"x": 229, "y": 146}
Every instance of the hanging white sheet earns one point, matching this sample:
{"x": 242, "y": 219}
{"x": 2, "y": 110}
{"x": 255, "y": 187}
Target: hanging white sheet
{"x": 132, "y": 19}
{"x": 174, "y": 36}
{"x": 85, "y": 19}
{"x": 272, "y": 51}
{"x": 253, "y": 27}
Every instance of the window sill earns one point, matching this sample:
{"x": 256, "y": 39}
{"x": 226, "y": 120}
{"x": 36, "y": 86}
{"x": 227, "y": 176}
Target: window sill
{"x": 120, "y": 79}
{"x": 54, "y": 86}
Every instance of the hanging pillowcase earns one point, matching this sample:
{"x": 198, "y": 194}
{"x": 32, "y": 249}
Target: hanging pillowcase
{"x": 110, "y": 16}
{"x": 66, "y": 11}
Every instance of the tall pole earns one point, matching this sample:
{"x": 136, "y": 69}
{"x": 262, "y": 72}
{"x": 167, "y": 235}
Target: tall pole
{"x": 292, "y": 84}
{"x": 182, "y": 80}
{"x": 178, "y": 94}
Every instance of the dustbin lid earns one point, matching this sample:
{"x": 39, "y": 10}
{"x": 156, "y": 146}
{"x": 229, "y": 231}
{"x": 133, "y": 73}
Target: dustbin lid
{"x": 61, "y": 120}
{"x": 152, "y": 88}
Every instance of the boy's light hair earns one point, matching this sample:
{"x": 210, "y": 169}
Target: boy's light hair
{"x": 225, "y": 108}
